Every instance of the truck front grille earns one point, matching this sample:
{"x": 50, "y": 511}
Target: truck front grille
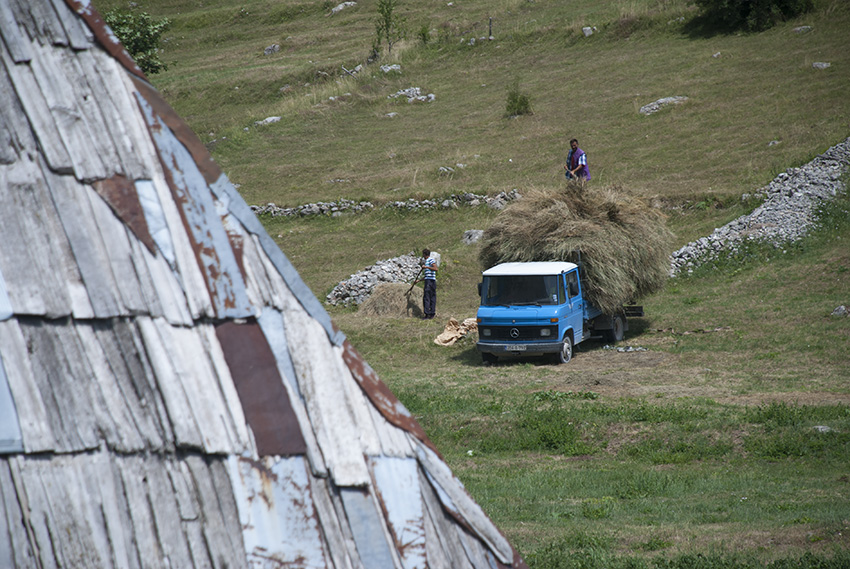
{"x": 522, "y": 333}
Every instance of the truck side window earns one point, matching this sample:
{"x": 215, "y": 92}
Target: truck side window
{"x": 572, "y": 283}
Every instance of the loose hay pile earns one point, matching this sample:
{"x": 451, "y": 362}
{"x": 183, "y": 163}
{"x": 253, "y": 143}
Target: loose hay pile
{"x": 393, "y": 299}
{"x": 623, "y": 244}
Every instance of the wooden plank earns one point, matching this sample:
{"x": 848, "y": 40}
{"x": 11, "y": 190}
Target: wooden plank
{"x": 106, "y": 387}
{"x": 200, "y": 386}
{"x": 132, "y": 475}
{"x": 109, "y": 499}
{"x": 16, "y": 137}
{"x": 223, "y": 531}
{"x": 43, "y": 22}
{"x": 182, "y": 420}
{"x": 397, "y": 489}
{"x": 6, "y": 310}
{"x": 394, "y": 441}
{"x": 16, "y": 42}
{"x": 443, "y": 546}
{"x": 127, "y": 361}
{"x": 29, "y": 266}
{"x": 71, "y": 123}
{"x": 35, "y": 426}
{"x": 119, "y": 253}
{"x": 89, "y": 249}
{"x": 86, "y": 94}
{"x": 319, "y": 373}
{"x": 38, "y": 113}
{"x": 337, "y": 536}
{"x": 121, "y": 116}
{"x": 456, "y": 500}
{"x": 79, "y": 36}
{"x": 11, "y": 440}
{"x": 15, "y": 548}
{"x": 166, "y": 514}
{"x": 61, "y": 392}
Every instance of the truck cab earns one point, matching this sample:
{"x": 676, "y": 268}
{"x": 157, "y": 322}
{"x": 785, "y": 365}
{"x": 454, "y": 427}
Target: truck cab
{"x": 538, "y": 308}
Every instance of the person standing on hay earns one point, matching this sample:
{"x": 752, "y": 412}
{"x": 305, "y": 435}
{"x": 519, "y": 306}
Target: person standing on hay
{"x": 429, "y": 299}
{"x": 576, "y": 165}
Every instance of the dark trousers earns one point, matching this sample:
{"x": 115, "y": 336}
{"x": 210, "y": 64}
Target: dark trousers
{"x": 429, "y": 299}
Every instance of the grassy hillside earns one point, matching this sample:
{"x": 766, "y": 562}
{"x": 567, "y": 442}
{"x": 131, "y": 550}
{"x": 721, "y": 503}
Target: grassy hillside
{"x": 704, "y": 444}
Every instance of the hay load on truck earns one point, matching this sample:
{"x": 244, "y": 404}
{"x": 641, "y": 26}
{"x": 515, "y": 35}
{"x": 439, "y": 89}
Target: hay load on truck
{"x": 577, "y": 257}
{"x": 539, "y": 308}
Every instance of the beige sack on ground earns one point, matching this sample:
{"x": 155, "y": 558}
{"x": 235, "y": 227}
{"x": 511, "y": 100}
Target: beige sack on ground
{"x": 455, "y": 331}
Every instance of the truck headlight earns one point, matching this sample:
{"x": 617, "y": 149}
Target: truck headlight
{"x": 545, "y": 332}
{"x": 485, "y": 331}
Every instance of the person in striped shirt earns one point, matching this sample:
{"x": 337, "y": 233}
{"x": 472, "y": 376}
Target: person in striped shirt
{"x": 429, "y": 299}
{"x": 576, "y": 166}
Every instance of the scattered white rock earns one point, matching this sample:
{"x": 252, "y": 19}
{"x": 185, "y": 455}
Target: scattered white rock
{"x": 587, "y": 31}
{"x": 841, "y": 311}
{"x": 802, "y": 29}
{"x": 822, "y": 429}
{"x": 471, "y": 236}
{"x": 391, "y": 115}
{"x": 340, "y": 7}
{"x": 268, "y": 120}
{"x": 774, "y": 142}
{"x": 820, "y": 65}
{"x": 414, "y": 95}
{"x": 274, "y": 48}
{"x": 716, "y": 55}
{"x": 391, "y": 68}
{"x": 656, "y": 106}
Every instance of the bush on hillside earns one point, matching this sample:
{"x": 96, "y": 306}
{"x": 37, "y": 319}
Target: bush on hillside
{"x": 140, "y": 34}
{"x": 518, "y": 103}
{"x": 623, "y": 244}
{"x": 753, "y": 15}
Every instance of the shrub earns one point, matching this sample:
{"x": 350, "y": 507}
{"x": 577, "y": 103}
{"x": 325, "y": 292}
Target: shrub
{"x": 389, "y": 26}
{"x": 518, "y": 102}
{"x": 140, "y": 34}
{"x": 753, "y": 15}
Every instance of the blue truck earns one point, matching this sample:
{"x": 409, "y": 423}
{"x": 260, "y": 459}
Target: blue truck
{"x": 539, "y": 308}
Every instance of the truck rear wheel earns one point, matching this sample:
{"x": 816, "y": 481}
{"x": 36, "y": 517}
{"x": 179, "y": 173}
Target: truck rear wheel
{"x": 566, "y": 352}
{"x": 618, "y": 329}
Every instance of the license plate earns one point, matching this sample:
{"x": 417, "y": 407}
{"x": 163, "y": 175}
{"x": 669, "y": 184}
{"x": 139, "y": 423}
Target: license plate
{"x": 514, "y": 348}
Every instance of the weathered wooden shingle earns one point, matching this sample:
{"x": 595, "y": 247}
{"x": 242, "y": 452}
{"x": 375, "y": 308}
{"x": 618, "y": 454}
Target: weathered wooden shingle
{"x": 171, "y": 392}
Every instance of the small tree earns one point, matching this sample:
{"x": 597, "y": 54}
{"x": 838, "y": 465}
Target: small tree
{"x": 140, "y": 36}
{"x": 753, "y": 15}
{"x": 389, "y": 26}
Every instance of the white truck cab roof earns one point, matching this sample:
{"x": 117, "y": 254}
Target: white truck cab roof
{"x": 531, "y": 268}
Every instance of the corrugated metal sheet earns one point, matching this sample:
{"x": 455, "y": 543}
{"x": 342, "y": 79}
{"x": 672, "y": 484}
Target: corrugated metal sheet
{"x": 171, "y": 392}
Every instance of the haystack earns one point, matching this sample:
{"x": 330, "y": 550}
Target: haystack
{"x": 622, "y": 243}
{"x": 393, "y": 300}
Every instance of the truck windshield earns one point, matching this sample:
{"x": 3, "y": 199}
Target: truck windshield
{"x": 517, "y": 290}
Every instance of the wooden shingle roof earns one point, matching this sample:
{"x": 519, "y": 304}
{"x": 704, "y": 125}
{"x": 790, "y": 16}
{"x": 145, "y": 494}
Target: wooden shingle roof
{"x": 171, "y": 393}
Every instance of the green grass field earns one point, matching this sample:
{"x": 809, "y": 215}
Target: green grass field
{"x": 701, "y": 451}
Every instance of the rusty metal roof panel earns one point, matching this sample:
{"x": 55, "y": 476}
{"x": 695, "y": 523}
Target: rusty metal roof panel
{"x": 275, "y": 502}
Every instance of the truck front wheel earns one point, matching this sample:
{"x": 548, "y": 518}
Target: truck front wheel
{"x": 566, "y": 352}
